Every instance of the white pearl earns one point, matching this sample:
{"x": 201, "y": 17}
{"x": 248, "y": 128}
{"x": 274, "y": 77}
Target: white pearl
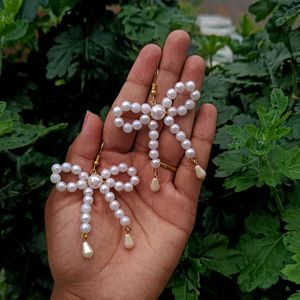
{"x": 152, "y": 125}
{"x": 189, "y": 104}
{"x": 123, "y": 167}
{"x": 117, "y": 111}
{"x": 153, "y": 134}
{"x": 104, "y": 189}
{"x": 66, "y": 167}
{"x": 95, "y": 181}
{"x": 145, "y": 108}
{"x": 168, "y": 120}
{"x": 172, "y": 111}
{"x": 119, "y": 186}
{"x": 85, "y": 218}
{"x": 86, "y": 250}
{"x": 76, "y": 169}
{"x": 127, "y": 127}
{"x": 118, "y": 122}
{"x": 166, "y": 102}
{"x": 85, "y": 227}
{"x": 88, "y": 191}
{"x": 81, "y": 184}
{"x": 145, "y": 119}
{"x": 153, "y": 144}
{"x": 114, "y": 170}
{"x": 119, "y": 213}
{"x": 71, "y": 187}
{"x": 135, "y": 107}
{"x": 125, "y": 106}
{"x": 84, "y": 175}
{"x": 179, "y": 87}
{"x": 190, "y": 153}
{"x": 56, "y": 168}
{"x": 128, "y": 241}
{"x": 114, "y": 205}
{"x": 186, "y": 144}
{"x": 55, "y": 178}
{"x": 190, "y": 85}
{"x": 171, "y": 93}
{"x": 134, "y": 180}
{"x": 88, "y": 199}
{"x": 200, "y": 172}
{"x": 85, "y": 208}
{"x": 158, "y": 112}
{"x": 61, "y": 186}
{"x": 195, "y": 95}
{"x": 137, "y": 125}
{"x": 110, "y": 182}
{"x": 174, "y": 128}
{"x": 109, "y": 196}
{"x": 153, "y": 154}
{"x": 128, "y": 187}
{"x": 125, "y": 221}
{"x": 182, "y": 111}
{"x": 155, "y": 163}
{"x": 131, "y": 171}
{"x": 154, "y": 186}
{"x": 105, "y": 173}
{"x": 180, "y": 136}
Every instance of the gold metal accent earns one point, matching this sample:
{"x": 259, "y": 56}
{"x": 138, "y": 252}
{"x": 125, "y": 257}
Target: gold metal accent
{"x": 168, "y": 167}
{"x": 194, "y": 160}
{"x": 155, "y": 172}
{"x": 84, "y": 235}
{"x": 96, "y": 162}
{"x": 153, "y": 91}
{"x": 127, "y": 229}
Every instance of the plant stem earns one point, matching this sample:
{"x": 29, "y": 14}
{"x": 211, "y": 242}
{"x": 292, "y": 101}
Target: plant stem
{"x": 277, "y": 200}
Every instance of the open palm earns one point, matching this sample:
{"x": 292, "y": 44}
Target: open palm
{"x": 161, "y": 222}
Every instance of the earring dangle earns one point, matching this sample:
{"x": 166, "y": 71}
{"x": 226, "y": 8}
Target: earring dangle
{"x": 151, "y": 113}
{"x": 104, "y": 182}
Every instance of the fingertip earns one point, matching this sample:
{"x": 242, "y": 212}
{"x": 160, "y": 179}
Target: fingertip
{"x": 178, "y": 36}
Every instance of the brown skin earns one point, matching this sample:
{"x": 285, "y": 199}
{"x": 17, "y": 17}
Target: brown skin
{"x": 162, "y": 221}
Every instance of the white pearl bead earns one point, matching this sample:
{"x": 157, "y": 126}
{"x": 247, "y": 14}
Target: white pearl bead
{"x": 166, "y": 102}
{"x": 114, "y": 205}
{"x": 85, "y": 208}
{"x": 123, "y": 167}
{"x": 56, "y": 168}
{"x": 87, "y": 251}
{"x": 145, "y": 119}
{"x": 153, "y": 134}
{"x": 137, "y": 125}
{"x": 135, "y": 107}
{"x": 66, "y": 167}
{"x": 155, "y": 163}
{"x": 172, "y": 111}
{"x": 186, "y": 144}
{"x": 189, "y": 104}
{"x": 179, "y": 87}
{"x": 119, "y": 213}
{"x": 117, "y": 111}
{"x": 153, "y": 154}
{"x": 180, "y": 136}
{"x": 131, "y": 171}
{"x": 171, "y": 93}
{"x": 55, "y": 178}
{"x": 109, "y": 197}
{"x": 128, "y": 241}
{"x": 128, "y": 187}
{"x": 81, "y": 184}
{"x": 119, "y": 186}
{"x": 95, "y": 181}
{"x": 145, "y": 108}
{"x": 125, "y": 221}
{"x": 88, "y": 191}
{"x": 110, "y": 182}
{"x": 174, "y": 128}
{"x": 190, "y": 85}
{"x": 76, "y": 169}
{"x": 85, "y": 227}
{"x": 195, "y": 95}
{"x": 127, "y": 128}
{"x": 105, "y": 173}
{"x": 182, "y": 111}
{"x": 118, "y": 122}
{"x": 125, "y": 106}
{"x": 168, "y": 120}
{"x": 114, "y": 170}
{"x": 61, "y": 186}
{"x": 85, "y": 218}
{"x": 104, "y": 189}
{"x": 71, "y": 187}
{"x": 158, "y": 112}
{"x": 88, "y": 199}
{"x": 153, "y": 125}
{"x": 153, "y": 144}
{"x": 134, "y": 180}
{"x": 84, "y": 175}
{"x": 190, "y": 153}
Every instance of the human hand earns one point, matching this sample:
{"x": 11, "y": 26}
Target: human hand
{"x": 161, "y": 222}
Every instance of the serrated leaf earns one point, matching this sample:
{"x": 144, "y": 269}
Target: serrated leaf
{"x": 19, "y": 30}
{"x": 241, "y": 182}
{"x": 292, "y": 217}
{"x": 262, "y": 8}
{"x": 239, "y": 69}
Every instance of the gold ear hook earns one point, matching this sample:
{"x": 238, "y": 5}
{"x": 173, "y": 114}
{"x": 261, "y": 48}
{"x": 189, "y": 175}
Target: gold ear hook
{"x": 96, "y": 162}
{"x": 153, "y": 91}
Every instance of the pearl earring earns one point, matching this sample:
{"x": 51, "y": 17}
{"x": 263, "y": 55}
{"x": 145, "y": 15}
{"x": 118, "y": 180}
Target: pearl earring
{"x": 87, "y": 183}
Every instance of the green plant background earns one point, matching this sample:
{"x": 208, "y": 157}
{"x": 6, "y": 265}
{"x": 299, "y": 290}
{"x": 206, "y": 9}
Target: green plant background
{"x": 60, "y": 58}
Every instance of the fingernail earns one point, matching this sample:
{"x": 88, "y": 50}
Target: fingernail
{"x": 87, "y": 114}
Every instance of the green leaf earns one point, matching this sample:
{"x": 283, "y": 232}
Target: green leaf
{"x": 60, "y": 7}
{"x": 239, "y": 69}
{"x": 262, "y": 8}
{"x": 12, "y": 6}
{"x": 241, "y": 182}
{"x": 20, "y": 29}
{"x": 292, "y": 218}
{"x": 295, "y": 296}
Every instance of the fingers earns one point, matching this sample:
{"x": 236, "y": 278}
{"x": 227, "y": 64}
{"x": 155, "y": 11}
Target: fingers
{"x": 135, "y": 89}
{"x": 203, "y": 134}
